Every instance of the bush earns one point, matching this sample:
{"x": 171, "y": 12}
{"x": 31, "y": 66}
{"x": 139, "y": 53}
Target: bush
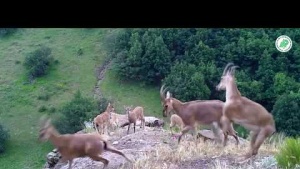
{"x": 7, "y": 31}
{"x": 4, "y": 136}
{"x": 289, "y": 153}
{"x": 187, "y": 83}
{"x": 42, "y": 108}
{"x": 74, "y": 113}
{"x": 286, "y": 114}
{"x": 37, "y": 63}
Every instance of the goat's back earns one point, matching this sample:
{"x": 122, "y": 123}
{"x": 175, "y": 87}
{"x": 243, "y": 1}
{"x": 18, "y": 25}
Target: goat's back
{"x": 205, "y": 111}
{"x": 81, "y": 145}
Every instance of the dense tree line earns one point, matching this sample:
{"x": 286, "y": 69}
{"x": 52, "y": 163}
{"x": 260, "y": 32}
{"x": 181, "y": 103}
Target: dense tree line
{"x": 191, "y": 60}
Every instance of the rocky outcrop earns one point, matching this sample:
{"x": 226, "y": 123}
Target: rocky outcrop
{"x": 54, "y": 156}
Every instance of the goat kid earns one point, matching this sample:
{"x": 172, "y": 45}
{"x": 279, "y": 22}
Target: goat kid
{"x": 133, "y": 115}
{"x": 245, "y": 112}
{"x": 114, "y": 121}
{"x": 196, "y": 113}
{"x": 102, "y": 120}
{"x": 176, "y": 121}
{"x": 72, "y": 146}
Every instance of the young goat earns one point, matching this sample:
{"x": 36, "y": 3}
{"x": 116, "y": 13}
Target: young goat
{"x": 72, "y": 146}
{"x": 176, "y": 121}
{"x": 245, "y": 112}
{"x": 103, "y": 119}
{"x": 134, "y": 115}
{"x": 196, "y": 113}
{"x": 114, "y": 121}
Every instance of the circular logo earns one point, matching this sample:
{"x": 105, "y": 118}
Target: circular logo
{"x": 283, "y": 43}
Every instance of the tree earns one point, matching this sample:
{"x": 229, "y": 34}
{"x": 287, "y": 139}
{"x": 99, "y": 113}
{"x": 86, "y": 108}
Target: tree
{"x": 286, "y": 114}
{"x": 187, "y": 83}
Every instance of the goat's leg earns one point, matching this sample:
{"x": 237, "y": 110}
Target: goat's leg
{"x": 134, "y": 127}
{"x": 233, "y": 133}
{"x": 216, "y": 129}
{"x": 70, "y": 164}
{"x": 261, "y": 137}
{"x": 225, "y": 123}
{"x": 103, "y": 160}
{"x": 128, "y": 128}
{"x": 184, "y": 131}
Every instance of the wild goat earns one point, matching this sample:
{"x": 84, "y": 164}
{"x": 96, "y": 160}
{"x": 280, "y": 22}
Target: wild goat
{"x": 245, "y": 112}
{"x": 194, "y": 113}
{"x": 176, "y": 121}
{"x": 114, "y": 121}
{"x": 72, "y": 146}
{"x": 103, "y": 120}
{"x": 133, "y": 115}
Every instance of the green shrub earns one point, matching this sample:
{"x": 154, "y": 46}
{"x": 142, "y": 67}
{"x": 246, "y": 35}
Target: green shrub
{"x": 73, "y": 114}
{"x": 242, "y": 132}
{"x": 52, "y": 110}
{"x": 17, "y": 62}
{"x": 186, "y": 82}
{"x": 289, "y": 153}
{"x": 42, "y": 108}
{"x": 44, "y": 96}
{"x": 37, "y": 63}
{"x": 4, "y": 136}
{"x": 286, "y": 114}
{"x": 7, "y": 31}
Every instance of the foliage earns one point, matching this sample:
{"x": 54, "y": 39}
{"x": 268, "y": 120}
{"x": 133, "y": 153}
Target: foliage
{"x": 74, "y": 113}
{"x": 4, "y": 136}
{"x": 38, "y": 62}
{"x": 286, "y": 114}
{"x": 7, "y": 31}
{"x": 289, "y": 154}
{"x": 187, "y": 83}
{"x": 150, "y": 55}
{"x": 80, "y": 109}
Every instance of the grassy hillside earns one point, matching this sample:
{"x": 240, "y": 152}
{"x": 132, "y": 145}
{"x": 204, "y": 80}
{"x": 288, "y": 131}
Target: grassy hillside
{"x": 19, "y": 103}
{"x": 19, "y": 100}
{"x": 131, "y": 93}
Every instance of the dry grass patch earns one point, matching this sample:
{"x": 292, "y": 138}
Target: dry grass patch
{"x": 192, "y": 154}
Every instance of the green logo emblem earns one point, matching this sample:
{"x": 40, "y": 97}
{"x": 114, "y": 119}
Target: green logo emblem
{"x": 283, "y": 43}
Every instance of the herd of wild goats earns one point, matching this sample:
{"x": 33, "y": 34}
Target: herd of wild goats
{"x": 217, "y": 114}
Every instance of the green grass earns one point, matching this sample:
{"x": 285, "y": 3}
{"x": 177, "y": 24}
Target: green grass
{"x": 19, "y": 100}
{"x": 131, "y": 93}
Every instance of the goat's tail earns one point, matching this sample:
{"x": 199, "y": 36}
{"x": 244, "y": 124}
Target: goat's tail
{"x": 125, "y": 124}
{"x": 110, "y": 148}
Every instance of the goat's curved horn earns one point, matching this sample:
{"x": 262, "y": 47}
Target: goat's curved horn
{"x": 232, "y": 70}
{"x": 227, "y": 67}
{"x": 162, "y": 92}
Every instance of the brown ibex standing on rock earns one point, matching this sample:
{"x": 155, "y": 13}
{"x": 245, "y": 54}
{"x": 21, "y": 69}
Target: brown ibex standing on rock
{"x": 71, "y": 146}
{"x": 193, "y": 113}
{"x": 133, "y": 115}
{"x": 103, "y": 120}
{"x": 245, "y": 112}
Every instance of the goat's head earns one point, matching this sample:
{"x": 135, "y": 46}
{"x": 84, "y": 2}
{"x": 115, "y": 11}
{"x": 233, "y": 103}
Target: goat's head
{"x": 110, "y": 108}
{"x": 166, "y": 102}
{"x": 128, "y": 109}
{"x": 227, "y": 76}
{"x": 45, "y": 129}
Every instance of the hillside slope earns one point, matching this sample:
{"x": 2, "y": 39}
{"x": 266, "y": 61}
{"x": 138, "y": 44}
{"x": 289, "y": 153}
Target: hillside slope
{"x": 19, "y": 110}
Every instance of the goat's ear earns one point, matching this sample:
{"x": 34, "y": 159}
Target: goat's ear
{"x": 43, "y": 120}
{"x": 168, "y": 95}
{"x": 48, "y": 123}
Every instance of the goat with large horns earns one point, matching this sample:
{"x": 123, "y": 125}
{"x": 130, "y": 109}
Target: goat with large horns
{"x": 194, "y": 113}
{"x": 245, "y": 112}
